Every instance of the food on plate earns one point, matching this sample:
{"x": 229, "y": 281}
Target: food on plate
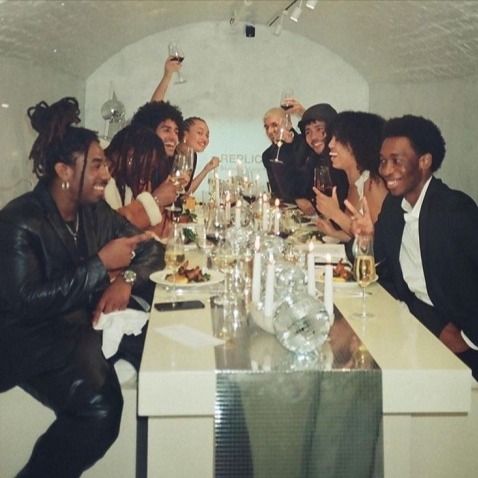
{"x": 343, "y": 272}
{"x": 188, "y": 276}
{"x": 187, "y": 216}
{"x": 189, "y": 236}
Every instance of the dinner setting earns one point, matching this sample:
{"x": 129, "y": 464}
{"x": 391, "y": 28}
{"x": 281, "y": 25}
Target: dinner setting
{"x": 238, "y": 238}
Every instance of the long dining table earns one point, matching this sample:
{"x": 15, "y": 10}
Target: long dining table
{"x": 189, "y": 387}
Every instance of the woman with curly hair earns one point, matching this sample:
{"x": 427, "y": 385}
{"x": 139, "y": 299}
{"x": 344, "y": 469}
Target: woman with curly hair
{"x": 58, "y": 245}
{"x": 140, "y": 188}
{"x": 355, "y": 149}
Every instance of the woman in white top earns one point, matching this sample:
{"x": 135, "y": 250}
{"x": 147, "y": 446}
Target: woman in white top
{"x": 354, "y": 148}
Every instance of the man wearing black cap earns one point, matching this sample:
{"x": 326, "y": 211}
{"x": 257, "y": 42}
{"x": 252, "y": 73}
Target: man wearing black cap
{"x": 314, "y": 127}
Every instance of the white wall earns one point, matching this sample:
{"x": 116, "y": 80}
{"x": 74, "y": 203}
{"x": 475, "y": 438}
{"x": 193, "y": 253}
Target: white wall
{"x": 453, "y": 106}
{"x": 21, "y": 86}
{"x": 231, "y": 82}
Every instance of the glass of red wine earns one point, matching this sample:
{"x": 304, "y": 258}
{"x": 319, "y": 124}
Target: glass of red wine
{"x": 176, "y": 52}
{"x": 250, "y": 190}
{"x": 322, "y": 180}
{"x": 285, "y": 99}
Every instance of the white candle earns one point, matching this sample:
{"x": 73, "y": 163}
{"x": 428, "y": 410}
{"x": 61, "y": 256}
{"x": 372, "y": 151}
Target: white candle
{"x": 256, "y": 272}
{"x": 265, "y": 213}
{"x": 329, "y": 287}
{"x": 237, "y": 217}
{"x": 269, "y": 294}
{"x": 311, "y": 270}
{"x": 227, "y": 212}
{"x": 277, "y": 215}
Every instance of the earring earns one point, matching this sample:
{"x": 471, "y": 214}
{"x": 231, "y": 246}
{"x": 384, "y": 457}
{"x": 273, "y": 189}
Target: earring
{"x": 65, "y": 185}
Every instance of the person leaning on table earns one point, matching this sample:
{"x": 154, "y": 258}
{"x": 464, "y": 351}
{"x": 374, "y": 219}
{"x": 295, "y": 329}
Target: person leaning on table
{"x": 426, "y": 236}
{"x": 58, "y": 245}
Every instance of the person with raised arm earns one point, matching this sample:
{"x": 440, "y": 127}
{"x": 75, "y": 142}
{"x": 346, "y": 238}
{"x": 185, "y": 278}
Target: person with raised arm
{"x": 425, "y": 236}
{"x": 355, "y": 150}
{"x": 58, "y": 245}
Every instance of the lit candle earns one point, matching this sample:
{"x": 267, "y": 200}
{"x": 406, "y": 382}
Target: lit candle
{"x": 237, "y": 217}
{"x": 256, "y": 272}
{"x": 329, "y": 287}
{"x": 277, "y": 215}
{"x": 310, "y": 270}
{"x": 269, "y": 294}
{"x": 265, "y": 212}
{"x": 227, "y": 211}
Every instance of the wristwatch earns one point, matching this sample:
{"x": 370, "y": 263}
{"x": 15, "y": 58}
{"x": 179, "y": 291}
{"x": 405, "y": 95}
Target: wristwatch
{"x": 129, "y": 276}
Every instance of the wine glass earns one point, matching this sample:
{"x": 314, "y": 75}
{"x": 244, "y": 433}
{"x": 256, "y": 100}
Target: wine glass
{"x": 322, "y": 180}
{"x": 181, "y": 171}
{"x": 177, "y": 53}
{"x": 285, "y": 99}
{"x": 174, "y": 255}
{"x": 249, "y": 190}
{"x": 284, "y": 127}
{"x": 364, "y": 268}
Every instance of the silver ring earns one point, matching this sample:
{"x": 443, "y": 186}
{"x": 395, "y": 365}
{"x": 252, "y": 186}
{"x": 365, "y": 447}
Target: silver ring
{"x": 132, "y": 255}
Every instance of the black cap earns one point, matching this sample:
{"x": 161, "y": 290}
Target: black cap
{"x": 321, "y": 112}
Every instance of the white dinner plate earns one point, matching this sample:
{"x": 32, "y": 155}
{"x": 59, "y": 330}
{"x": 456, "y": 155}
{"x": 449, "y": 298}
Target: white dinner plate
{"x": 160, "y": 278}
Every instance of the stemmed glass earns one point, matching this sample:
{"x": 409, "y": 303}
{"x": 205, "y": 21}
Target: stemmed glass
{"x": 174, "y": 255}
{"x": 181, "y": 171}
{"x": 177, "y": 53}
{"x": 286, "y": 95}
{"x": 249, "y": 190}
{"x": 283, "y": 128}
{"x": 364, "y": 268}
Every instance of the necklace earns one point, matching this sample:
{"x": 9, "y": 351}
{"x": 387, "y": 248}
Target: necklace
{"x": 74, "y": 232}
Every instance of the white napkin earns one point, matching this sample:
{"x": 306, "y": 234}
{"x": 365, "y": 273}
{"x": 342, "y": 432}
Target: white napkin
{"x": 116, "y": 324}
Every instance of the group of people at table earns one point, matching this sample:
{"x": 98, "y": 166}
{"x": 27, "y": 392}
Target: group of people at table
{"x": 68, "y": 255}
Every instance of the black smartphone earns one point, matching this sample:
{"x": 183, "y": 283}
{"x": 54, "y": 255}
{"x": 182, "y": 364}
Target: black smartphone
{"x": 184, "y": 305}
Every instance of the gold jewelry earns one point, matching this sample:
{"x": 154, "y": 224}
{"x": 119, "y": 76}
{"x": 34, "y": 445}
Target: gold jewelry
{"x": 74, "y": 233}
{"x": 65, "y": 185}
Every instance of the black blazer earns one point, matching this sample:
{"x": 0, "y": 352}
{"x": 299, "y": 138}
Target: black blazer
{"x": 47, "y": 292}
{"x": 448, "y": 227}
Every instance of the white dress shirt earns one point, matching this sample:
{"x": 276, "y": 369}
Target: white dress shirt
{"x": 410, "y": 254}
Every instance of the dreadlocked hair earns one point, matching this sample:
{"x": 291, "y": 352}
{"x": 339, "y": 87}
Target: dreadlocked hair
{"x": 136, "y": 155}
{"x": 58, "y": 141}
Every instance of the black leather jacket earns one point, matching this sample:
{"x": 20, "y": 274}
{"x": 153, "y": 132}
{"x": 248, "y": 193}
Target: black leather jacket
{"x": 47, "y": 291}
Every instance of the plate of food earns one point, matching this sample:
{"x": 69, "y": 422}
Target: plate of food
{"x": 343, "y": 275}
{"x": 187, "y": 276}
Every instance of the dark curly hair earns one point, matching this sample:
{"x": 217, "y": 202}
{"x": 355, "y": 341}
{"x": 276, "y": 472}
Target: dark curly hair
{"x": 423, "y": 134}
{"x": 58, "y": 141}
{"x": 138, "y": 160}
{"x": 362, "y": 133}
{"x": 151, "y": 114}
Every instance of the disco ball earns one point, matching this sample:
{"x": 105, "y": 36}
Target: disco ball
{"x": 113, "y": 110}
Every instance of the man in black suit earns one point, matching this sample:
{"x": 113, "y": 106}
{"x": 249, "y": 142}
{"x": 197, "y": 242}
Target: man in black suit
{"x": 426, "y": 237}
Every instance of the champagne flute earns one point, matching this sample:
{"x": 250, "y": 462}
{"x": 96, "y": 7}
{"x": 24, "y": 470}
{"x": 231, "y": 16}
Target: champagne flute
{"x": 177, "y": 53}
{"x": 364, "y": 268}
{"x": 174, "y": 255}
{"x": 181, "y": 171}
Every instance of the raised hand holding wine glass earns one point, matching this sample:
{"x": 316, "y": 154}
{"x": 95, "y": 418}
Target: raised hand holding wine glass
{"x": 364, "y": 268}
{"x": 177, "y": 54}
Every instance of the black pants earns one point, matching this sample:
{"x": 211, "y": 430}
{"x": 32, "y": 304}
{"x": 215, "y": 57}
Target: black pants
{"x": 86, "y": 398}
